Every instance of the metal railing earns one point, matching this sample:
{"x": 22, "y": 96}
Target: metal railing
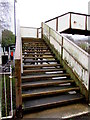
{"x": 76, "y": 58}
{"x": 7, "y": 94}
{"x": 69, "y": 20}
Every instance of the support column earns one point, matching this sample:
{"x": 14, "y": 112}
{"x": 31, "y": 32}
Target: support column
{"x": 70, "y": 21}
{"x": 57, "y": 24}
{"x": 89, "y": 81}
{"x": 62, "y": 49}
{"x": 18, "y": 88}
{"x": 37, "y": 33}
{"x": 86, "y": 23}
{"x": 42, "y": 30}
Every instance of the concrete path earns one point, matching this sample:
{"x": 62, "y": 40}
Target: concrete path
{"x": 67, "y": 112}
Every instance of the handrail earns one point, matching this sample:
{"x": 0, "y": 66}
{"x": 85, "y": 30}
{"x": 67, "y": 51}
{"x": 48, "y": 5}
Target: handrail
{"x": 83, "y": 51}
{"x": 28, "y": 27}
{"x": 66, "y": 14}
{"x": 87, "y": 54}
{"x": 69, "y": 23}
{"x": 73, "y": 45}
{"x": 32, "y": 32}
{"x": 51, "y": 34}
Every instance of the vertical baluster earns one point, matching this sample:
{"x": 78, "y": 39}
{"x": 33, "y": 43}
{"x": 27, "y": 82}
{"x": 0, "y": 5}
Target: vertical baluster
{"x": 70, "y": 21}
{"x": 57, "y": 24}
{"x": 86, "y": 23}
{"x": 5, "y": 94}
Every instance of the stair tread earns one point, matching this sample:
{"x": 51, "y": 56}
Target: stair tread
{"x": 37, "y": 54}
{"x": 43, "y": 70}
{"x": 34, "y": 45}
{"x": 44, "y": 76}
{"x": 36, "y": 57}
{"x": 40, "y": 60}
{"x": 46, "y": 82}
{"x": 48, "y": 89}
{"x": 37, "y": 82}
{"x": 41, "y": 65}
{"x": 34, "y": 51}
{"x": 27, "y": 40}
{"x": 51, "y": 100}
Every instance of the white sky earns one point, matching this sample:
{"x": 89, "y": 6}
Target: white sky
{"x": 32, "y": 12}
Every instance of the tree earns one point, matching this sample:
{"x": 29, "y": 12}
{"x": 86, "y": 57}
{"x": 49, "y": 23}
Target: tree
{"x": 8, "y": 38}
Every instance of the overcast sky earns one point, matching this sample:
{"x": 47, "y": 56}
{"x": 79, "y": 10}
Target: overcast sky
{"x": 33, "y": 12}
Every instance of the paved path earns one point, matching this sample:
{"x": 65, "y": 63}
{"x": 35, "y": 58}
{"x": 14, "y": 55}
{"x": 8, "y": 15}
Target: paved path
{"x": 67, "y": 112}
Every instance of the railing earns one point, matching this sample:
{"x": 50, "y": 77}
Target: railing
{"x": 69, "y": 20}
{"x": 76, "y": 58}
{"x": 7, "y": 94}
{"x": 31, "y": 32}
{"x": 27, "y": 32}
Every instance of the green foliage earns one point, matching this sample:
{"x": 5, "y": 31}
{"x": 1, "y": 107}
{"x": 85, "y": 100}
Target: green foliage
{"x": 83, "y": 46}
{"x": 8, "y": 38}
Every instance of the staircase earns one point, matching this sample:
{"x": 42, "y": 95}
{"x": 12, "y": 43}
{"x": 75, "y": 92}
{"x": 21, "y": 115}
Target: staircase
{"x": 45, "y": 83}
